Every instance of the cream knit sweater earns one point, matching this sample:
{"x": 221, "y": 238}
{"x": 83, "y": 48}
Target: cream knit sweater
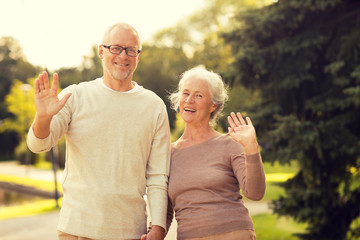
{"x": 118, "y": 144}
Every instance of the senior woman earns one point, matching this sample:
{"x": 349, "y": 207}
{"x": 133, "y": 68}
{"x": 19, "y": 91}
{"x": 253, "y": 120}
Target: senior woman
{"x": 208, "y": 168}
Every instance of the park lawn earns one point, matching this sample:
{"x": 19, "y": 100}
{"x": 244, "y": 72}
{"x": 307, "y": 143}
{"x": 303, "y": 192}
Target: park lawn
{"x": 28, "y": 209}
{"x": 271, "y": 227}
{"x": 275, "y": 175}
{"x": 33, "y": 207}
{"x": 39, "y": 184}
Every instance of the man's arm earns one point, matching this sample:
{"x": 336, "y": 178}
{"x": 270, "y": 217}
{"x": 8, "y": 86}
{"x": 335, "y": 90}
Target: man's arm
{"x": 47, "y": 104}
{"x": 158, "y": 173}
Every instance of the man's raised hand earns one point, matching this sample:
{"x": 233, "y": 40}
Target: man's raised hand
{"x": 47, "y": 103}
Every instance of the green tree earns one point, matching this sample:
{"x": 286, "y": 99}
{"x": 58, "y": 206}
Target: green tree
{"x": 90, "y": 69}
{"x": 20, "y": 104}
{"x": 304, "y": 58}
{"x": 69, "y": 76}
{"x": 199, "y": 37}
{"x": 92, "y": 65}
{"x": 159, "y": 69}
{"x": 199, "y": 34}
{"x": 13, "y": 65}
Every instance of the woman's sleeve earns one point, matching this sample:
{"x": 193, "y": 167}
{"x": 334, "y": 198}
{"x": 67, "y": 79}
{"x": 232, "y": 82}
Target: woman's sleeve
{"x": 170, "y": 215}
{"x": 249, "y": 171}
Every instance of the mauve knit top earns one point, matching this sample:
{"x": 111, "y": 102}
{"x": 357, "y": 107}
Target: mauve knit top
{"x": 204, "y": 187}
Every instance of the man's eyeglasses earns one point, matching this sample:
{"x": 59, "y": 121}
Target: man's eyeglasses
{"x": 130, "y": 51}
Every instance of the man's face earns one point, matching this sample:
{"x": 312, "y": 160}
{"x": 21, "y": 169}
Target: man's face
{"x": 120, "y": 67}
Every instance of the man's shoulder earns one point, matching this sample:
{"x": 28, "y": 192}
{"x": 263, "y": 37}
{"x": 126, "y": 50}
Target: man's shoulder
{"x": 86, "y": 84}
{"x": 151, "y": 94}
{"x": 80, "y": 85}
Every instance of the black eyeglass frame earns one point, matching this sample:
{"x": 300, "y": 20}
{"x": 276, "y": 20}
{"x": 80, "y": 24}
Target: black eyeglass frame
{"x": 122, "y": 49}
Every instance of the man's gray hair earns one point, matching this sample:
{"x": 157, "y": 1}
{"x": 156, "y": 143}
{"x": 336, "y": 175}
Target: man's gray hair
{"x": 105, "y": 39}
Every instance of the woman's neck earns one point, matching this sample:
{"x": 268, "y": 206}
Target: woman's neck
{"x": 194, "y": 135}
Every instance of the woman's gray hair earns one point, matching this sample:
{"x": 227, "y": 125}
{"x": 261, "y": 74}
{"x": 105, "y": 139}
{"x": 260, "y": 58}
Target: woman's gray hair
{"x": 217, "y": 89}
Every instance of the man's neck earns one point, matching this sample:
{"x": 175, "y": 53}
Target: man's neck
{"x": 119, "y": 85}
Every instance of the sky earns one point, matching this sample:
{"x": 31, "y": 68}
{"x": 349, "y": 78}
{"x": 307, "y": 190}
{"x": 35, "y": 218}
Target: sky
{"x": 58, "y": 33}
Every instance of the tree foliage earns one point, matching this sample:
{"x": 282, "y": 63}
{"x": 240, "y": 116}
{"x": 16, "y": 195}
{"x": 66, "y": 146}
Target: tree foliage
{"x": 158, "y": 71}
{"x": 304, "y": 58}
{"x": 198, "y": 38}
{"x": 20, "y": 104}
{"x": 13, "y": 66}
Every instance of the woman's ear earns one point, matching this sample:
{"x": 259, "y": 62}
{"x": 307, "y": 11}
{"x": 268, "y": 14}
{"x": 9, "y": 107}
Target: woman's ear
{"x": 214, "y": 107}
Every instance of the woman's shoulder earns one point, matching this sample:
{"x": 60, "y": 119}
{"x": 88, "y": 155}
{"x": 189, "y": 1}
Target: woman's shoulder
{"x": 230, "y": 143}
{"x": 225, "y": 138}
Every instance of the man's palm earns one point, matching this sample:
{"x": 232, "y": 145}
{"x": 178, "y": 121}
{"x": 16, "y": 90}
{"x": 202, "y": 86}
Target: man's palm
{"x": 47, "y": 102}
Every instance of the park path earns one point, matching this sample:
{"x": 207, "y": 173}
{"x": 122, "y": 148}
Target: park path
{"x": 43, "y": 226}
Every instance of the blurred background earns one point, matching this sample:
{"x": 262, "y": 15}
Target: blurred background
{"x": 293, "y": 66}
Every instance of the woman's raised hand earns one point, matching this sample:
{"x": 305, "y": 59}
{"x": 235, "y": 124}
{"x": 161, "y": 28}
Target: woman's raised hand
{"x": 47, "y": 103}
{"x": 243, "y": 132}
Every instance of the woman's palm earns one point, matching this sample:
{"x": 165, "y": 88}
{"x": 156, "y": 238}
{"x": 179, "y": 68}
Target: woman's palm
{"x": 241, "y": 131}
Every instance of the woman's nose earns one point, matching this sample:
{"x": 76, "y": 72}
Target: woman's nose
{"x": 189, "y": 98}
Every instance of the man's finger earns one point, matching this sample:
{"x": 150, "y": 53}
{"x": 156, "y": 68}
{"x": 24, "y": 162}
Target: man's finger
{"x": 36, "y": 86}
{"x": 46, "y": 80}
{"x": 55, "y": 84}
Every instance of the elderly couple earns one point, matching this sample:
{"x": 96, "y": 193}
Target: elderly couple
{"x": 118, "y": 150}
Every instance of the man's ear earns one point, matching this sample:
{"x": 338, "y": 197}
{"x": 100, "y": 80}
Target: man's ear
{"x": 138, "y": 57}
{"x": 101, "y": 51}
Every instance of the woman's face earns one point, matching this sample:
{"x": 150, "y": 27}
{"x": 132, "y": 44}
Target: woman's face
{"x": 196, "y": 103}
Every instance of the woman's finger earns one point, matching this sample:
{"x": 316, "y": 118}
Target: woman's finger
{"x": 235, "y": 119}
{"x": 231, "y": 122}
{"x": 241, "y": 119}
{"x": 249, "y": 122}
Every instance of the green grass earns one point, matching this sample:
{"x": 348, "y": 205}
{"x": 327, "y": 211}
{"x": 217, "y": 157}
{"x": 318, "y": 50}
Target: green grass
{"x": 270, "y": 227}
{"x": 43, "y": 165}
{"x": 292, "y": 167}
{"x": 40, "y": 184}
{"x": 28, "y": 209}
{"x": 276, "y": 173}
{"x": 273, "y": 192}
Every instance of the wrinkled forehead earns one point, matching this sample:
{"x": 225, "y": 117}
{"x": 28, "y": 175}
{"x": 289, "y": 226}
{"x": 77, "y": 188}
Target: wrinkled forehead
{"x": 196, "y": 84}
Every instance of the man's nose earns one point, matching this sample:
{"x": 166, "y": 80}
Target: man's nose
{"x": 123, "y": 53}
